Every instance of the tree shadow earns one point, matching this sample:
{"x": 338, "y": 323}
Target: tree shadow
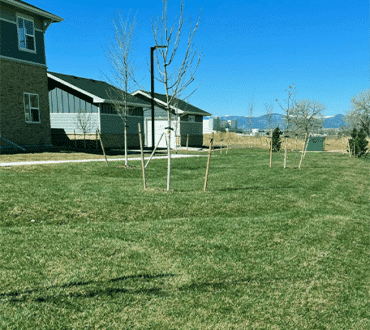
{"x": 255, "y": 188}
{"x": 101, "y": 291}
{"x": 225, "y": 284}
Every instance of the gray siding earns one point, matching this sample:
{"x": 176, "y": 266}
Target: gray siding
{"x": 198, "y": 118}
{"x": 113, "y": 124}
{"x": 10, "y": 13}
{"x": 191, "y": 128}
{"x": 158, "y": 113}
{"x": 67, "y": 121}
{"x": 63, "y": 102}
{"x": 9, "y": 44}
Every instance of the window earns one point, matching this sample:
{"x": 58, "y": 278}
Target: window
{"x": 191, "y": 118}
{"x": 26, "y": 34}
{"x": 107, "y": 109}
{"x": 31, "y": 107}
{"x": 135, "y": 112}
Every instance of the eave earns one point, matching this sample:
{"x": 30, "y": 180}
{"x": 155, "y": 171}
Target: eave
{"x": 177, "y": 110}
{"x": 34, "y": 10}
{"x": 95, "y": 98}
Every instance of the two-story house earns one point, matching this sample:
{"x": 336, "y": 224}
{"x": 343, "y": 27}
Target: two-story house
{"x": 24, "y": 100}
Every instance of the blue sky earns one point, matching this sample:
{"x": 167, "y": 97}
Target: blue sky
{"x": 250, "y": 48}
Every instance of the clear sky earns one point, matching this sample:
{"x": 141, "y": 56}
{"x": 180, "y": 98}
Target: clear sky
{"x": 250, "y": 48}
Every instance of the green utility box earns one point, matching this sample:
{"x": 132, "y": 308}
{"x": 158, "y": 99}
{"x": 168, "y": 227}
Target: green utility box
{"x": 316, "y": 143}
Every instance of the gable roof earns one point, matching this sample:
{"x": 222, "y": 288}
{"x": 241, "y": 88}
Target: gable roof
{"x": 96, "y": 89}
{"x": 181, "y": 106}
{"x": 33, "y": 9}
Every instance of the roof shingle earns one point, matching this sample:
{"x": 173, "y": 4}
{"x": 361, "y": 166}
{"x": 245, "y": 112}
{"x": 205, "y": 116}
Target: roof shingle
{"x": 97, "y": 88}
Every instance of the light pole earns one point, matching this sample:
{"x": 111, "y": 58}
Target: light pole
{"x": 152, "y": 49}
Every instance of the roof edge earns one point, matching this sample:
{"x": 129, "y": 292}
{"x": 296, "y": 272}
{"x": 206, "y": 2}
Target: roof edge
{"x": 179, "y": 111}
{"x": 95, "y": 98}
{"x": 34, "y": 10}
{"x": 145, "y": 93}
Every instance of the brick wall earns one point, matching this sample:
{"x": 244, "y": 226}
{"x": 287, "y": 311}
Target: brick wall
{"x": 16, "y": 79}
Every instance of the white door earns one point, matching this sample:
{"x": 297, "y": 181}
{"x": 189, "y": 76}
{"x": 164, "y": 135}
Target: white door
{"x": 159, "y": 128}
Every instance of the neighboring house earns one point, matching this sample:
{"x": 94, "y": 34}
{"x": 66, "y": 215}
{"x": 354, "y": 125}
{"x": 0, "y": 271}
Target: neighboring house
{"x": 232, "y": 125}
{"x": 215, "y": 124}
{"x": 24, "y": 106}
{"x": 211, "y": 124}
{"x": 68, "y": 95}
{"x": 187, "y": 121}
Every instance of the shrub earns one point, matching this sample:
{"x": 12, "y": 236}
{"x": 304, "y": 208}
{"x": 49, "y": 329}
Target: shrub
{"x": 276, "y": 141}
{"x": 358, "y": 142}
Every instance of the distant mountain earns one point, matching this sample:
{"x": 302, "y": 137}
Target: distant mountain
{"x": 334, "y": 121}
{"x": 278, "y": 120}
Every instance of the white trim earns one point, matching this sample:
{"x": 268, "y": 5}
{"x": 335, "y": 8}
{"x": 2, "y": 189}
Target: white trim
{"x": 99, "y": 116}
{"x": 192, "y": 117}
{"x": 115, "y": 114}
{"x": 165, "y": 104}
{"x": 174, "y": 108}
{"x": 33, "y": 10}
{"x": 30, "y": 110}
{"x": 95, "y": 98}
{"x": 179, "y": 111}
{"x": 30, "y": 19}
{"x": 7, "y": 20}
{"x": 128, "y": 103}
{"x": 15, "y": 22}
{"x": 22, "y": 61}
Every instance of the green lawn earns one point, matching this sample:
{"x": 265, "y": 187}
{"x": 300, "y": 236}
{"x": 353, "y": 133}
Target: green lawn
{"x": 84, "y": 247}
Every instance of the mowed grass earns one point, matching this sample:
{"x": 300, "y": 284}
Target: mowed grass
{"x": 84, "y": 247}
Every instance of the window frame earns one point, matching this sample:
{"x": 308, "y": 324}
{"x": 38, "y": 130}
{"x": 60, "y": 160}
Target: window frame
{"x": 30, "y": 19}
{"x": 31, "y": 108}
{"x": 191, "y": 118}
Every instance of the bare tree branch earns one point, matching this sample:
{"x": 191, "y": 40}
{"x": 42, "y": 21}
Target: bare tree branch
{"x": 251, "y": 109}
{"x": 119, "y": 55}
{"x": 269, "y": 107}
{"x": 175, "y": 80}
{"x": 287, "y": 105}
{"x": 306, "y": 117}
{"x": 359, "y": 115}
{"x": 84, "y": 123}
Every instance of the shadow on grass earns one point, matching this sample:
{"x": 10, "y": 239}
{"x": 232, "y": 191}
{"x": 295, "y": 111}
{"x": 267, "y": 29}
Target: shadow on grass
{"x": 255, "y": 188}
{"x": 156, "y": 291}
{"x": 225, "y": 284}
{"x": 102, "y": 291}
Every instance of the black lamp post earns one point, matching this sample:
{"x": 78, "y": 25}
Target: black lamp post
{"x": 152, "y": 49}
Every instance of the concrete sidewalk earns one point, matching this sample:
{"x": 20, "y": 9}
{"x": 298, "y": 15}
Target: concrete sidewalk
{"x": 45, "y": 162}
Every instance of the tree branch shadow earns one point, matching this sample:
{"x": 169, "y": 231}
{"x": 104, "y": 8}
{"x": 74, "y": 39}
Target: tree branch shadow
{"x": 94, "y": 292}
{"x": 255, "y": 188}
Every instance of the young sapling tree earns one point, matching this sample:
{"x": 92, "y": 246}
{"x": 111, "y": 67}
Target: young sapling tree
{"x": 174, "y": 79}
{"x": 84, "y": 123}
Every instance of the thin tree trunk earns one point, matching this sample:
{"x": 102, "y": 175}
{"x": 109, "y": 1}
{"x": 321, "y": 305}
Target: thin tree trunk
{"x": 285, "y": 156}
{"x": 296, "y": 146}
{"x": 208, "y": 163}
{"x": 102, "y": 147}
{"x": 169, "y": 158}
{"x": 271, "y": 150}
{"x": 126, "y": 159}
